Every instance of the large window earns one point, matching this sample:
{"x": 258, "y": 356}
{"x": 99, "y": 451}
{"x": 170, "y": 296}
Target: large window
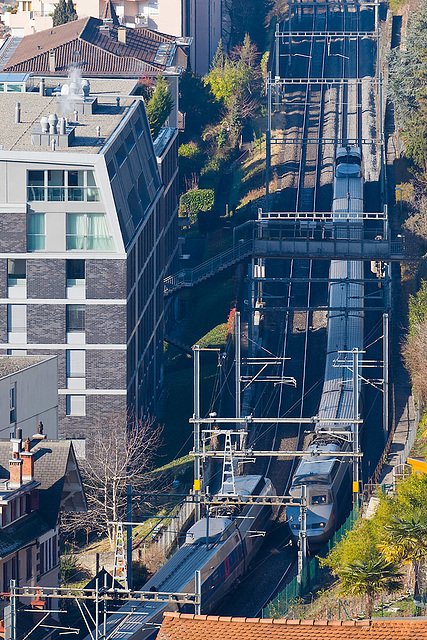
{"x": 75, "y": 317}
{"x": 56, "y": 185}
{"x": 36, "y": 234}
{"x": 88, "y": 231}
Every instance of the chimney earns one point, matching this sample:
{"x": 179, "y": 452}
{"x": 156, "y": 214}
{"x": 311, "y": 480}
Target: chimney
{"x": 121, "y": 34}
{"x": 15, "y": 465}
{"x": 52, "y": 63}
{"x": 27, "y": 457}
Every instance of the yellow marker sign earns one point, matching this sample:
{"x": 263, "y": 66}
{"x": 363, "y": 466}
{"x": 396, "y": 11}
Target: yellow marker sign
{"x": 355, "y": 487}
{"x": 197, "y": 485}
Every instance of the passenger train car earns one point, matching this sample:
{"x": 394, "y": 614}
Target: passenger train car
{"x": 221, "y": 548}
{"x": 327, "y": 478}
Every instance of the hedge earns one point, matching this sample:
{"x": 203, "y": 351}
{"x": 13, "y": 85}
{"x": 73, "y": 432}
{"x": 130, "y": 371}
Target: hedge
{"x": 194, "y": 201}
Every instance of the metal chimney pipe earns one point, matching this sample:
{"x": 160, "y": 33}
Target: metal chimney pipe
{"x": 62, "y": 126}
{"x": 53, "y": 144}
{"x": 17, "y": 112}
{"x": 98, "y": 131}
{"x": 41, "y": 87}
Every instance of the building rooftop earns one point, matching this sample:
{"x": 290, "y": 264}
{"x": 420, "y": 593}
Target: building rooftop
{"x": 107, "y": 114}
{"x": 56, "y": 474}
{"x": 181, "y": 626}
{"x": 97, "y": 47}
{"x": 12, "y": 364}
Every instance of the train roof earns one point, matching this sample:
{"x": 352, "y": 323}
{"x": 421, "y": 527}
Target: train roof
{"x": 318, "y": 466}
{"x": 171, "y": 578}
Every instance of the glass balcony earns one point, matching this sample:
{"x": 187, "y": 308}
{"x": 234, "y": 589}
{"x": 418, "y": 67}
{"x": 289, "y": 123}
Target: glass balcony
{"x": 63, "y": 194}
{"x": 89, "y": 243}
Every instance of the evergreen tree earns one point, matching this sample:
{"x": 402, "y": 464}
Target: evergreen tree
{"x": 64, "y": 12}
{"x": 71, "y": 12}
{"x": 60, "y": 15}
{"x": 159, "y": 106}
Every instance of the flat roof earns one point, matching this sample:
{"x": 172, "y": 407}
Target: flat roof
{"x": 108, "y": 115}
{"x": 13, "y": 364}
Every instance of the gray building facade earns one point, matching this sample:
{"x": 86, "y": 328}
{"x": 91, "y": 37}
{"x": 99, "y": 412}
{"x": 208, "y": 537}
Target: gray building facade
{"x": 84, "y": 227}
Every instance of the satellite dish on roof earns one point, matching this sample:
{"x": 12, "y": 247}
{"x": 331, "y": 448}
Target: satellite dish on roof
{"x": 65, "y": 90}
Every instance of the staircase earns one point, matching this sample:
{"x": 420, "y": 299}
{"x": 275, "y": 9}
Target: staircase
{"x": 190, "y": 277}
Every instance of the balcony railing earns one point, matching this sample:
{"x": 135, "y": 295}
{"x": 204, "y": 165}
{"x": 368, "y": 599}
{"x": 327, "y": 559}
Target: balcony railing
{"x": 89, "y": 243}
{"x": 63, "y": 194}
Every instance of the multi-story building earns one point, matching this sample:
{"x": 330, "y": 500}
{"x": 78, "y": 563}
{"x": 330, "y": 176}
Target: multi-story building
{"x": 84, "y": 225}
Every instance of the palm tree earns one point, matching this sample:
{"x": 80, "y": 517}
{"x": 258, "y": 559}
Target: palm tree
{"x": 370, "y": 578}
{"x": 406, "y": 542}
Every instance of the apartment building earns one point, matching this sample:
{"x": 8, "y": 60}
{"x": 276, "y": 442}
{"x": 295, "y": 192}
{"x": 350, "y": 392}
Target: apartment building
{"x": 87, "y": 232}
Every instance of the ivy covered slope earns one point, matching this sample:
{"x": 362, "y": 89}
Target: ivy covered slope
{"x": 408, "y": 89}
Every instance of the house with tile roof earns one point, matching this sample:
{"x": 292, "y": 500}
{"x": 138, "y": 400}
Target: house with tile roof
{"x": 39, "y": 478}
{"x": 98, "y": 47}
{"x": 181, "y": 626}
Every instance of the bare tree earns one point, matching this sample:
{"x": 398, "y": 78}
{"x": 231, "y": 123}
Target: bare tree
{"x": 414, "y": 352}
{"x": 119, "y": 452}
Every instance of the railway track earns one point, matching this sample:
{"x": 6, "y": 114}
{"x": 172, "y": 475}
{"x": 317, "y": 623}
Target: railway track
{"x": 305, "y": 115}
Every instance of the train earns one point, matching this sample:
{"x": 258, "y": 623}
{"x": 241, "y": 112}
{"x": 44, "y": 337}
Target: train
{"x": 220, "y": 547}
{"x": 327, "y": 477}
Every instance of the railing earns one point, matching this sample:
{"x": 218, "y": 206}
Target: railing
{"x": 190, "y": 277}
{"x": 63, "y": 194}
{"x": 89, "y": 242}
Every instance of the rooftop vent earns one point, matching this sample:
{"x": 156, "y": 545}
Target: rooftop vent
{"x": 49, "y": 134}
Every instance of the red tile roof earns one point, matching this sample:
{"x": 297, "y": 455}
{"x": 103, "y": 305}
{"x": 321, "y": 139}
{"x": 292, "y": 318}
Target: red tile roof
{"x": 181, "y": 626}
{"x": 85, "y": 43}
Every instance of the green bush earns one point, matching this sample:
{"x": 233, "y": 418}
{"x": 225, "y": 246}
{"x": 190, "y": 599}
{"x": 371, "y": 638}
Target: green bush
{"x": 194, "y": 201}
{"x": 210, "y": 175}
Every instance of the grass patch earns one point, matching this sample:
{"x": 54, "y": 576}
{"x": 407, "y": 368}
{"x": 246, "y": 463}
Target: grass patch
{"x": 419, "y": 450}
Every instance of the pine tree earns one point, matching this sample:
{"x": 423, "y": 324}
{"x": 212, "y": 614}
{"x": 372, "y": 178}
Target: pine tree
{"x": 71, "y": 12}
{"x": 60, "y": 15}
{"x": 159, "y": 106}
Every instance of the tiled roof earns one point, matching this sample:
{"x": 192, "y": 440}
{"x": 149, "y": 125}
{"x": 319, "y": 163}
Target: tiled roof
{"x": 84, "y": 43}
{"x": 181, "y": 626}
{"x": 109, "y": 13}
{"x": 50, "y": 464}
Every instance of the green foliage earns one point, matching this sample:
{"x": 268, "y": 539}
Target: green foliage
{"x": 418, "y": 308}
{"x": 159, "y": 106}
{"x": 64, "y": 12}
{"x": 71, "y": 12}
{"x": 235, "y": 81}
{"x": 369, "y": 578}
{"x": 358, "y": 545}
{"x": 194, "y": 201}
{"x": 210, "y": 175}
{"x": 406, "y": 86}
{"x": 197, "y": 102}
{"x": 68, "y": 568}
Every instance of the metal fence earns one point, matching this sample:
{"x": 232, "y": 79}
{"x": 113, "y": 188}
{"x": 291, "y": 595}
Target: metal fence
{"x": 301, "y": 585}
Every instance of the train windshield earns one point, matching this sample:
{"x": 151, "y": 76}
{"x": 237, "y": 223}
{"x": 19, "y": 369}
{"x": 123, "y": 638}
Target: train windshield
{"x": 322, "y": 499}
{"x": 349, "y": 160}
